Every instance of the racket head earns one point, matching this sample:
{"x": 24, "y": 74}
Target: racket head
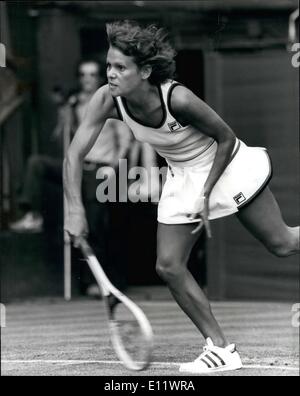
{"x": 130, "y": 330}
{"x": 131, "y": 334}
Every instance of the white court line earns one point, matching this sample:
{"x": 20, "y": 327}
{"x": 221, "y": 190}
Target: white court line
{"x": 115, "y": 362}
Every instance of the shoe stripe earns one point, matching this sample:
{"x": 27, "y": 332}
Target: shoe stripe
{"x": 207, "y": 363}
{"x": 212, "y": 360}
{"x": 216, "y": 355}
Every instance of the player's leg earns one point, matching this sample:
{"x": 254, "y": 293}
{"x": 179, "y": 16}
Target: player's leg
{"x": 262, "y": 217}
{"x": 174, "y": 245}
{"x": 40, "y": 168}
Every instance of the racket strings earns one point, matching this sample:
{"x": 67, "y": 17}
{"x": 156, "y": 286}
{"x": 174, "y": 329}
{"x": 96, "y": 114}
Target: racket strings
{"x": 129, "y": 333}
{"x": 132, "y": 339}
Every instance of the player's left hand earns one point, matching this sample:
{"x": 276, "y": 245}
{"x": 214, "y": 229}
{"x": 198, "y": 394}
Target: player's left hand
{"x": 204, "y": 221}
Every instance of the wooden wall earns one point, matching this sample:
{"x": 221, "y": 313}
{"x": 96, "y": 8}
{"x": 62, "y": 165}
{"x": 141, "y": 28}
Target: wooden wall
{"x": 256, "y": 92}
{"x": 58, "y": 52}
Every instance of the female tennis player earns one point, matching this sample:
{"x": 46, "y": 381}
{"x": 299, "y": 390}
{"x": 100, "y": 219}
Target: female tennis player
{"x": 211, "y": 173}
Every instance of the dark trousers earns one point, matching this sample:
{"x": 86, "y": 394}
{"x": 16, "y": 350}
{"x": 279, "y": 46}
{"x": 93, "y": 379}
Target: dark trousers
{"x": 40, "y": 169}
{"x": 103, "y": 218}
{"x": 106, "y": 227}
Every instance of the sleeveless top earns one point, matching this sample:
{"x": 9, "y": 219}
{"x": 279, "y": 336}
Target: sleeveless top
{"x": 173, "y": 141}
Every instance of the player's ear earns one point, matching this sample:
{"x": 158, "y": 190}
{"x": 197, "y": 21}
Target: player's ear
{"x": 146, "y": 71}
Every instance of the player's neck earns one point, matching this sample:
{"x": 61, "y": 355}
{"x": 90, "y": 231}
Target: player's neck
{"x": 142, "y": 97}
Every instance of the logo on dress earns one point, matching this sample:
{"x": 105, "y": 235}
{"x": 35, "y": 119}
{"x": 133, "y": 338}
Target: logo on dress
{"x": 239, "y": 198}
{"x": 173, "y": 126}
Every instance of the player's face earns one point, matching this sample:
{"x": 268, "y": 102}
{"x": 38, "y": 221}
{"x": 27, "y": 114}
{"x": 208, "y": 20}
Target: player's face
{"x": 89, "y": 77}
{"x": 123, "y": 74}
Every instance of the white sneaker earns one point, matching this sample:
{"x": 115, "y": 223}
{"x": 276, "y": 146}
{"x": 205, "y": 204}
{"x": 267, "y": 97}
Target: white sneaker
{"x": 214, "y": 359}
{"x": 29, "y": 223}
{"x": 93, "y": 291}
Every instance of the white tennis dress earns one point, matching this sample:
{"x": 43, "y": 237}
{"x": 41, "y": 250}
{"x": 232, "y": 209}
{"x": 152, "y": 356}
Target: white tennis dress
{"x": 190, "y": 155}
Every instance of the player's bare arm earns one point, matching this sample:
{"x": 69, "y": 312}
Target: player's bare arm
{"x": 101, "y": 107}
{"x": 192, "y": 110}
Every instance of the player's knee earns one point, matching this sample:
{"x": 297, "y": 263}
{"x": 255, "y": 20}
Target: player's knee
{"x": 280, "y": 248}
{"x": 169, "y": 268}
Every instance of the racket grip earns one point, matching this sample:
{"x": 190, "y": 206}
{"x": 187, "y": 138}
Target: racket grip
{"x": 85, "y": 247}
{"x": 94, "y": 265}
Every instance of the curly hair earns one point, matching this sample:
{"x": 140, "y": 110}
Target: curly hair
{"x": 148, "y": 45}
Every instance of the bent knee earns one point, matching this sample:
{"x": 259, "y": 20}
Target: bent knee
{"x": 281, "y": 248}
{"x": 169, "y": 269}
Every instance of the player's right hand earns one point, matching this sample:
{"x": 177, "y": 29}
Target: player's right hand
{"x": 76, "y": 226}
{"x": 202, "y": 214}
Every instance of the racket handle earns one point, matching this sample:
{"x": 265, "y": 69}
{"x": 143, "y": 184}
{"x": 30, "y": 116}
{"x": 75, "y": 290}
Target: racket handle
{"x": 85, "y": 247}
{"x": 94, "y": 266}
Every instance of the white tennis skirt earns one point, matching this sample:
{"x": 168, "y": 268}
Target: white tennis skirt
{"x": 248, "y": 172}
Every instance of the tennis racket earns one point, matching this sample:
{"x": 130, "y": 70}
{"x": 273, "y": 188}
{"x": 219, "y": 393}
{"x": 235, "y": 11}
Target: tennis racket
{"x": 130, "y": 330}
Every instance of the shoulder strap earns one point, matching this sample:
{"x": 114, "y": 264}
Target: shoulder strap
{"x": 118, "y": 104}
{"x": 168, "y": 94}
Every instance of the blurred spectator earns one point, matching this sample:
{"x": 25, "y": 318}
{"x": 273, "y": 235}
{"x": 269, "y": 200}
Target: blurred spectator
{"x": 112, "y": 144}
{"x": 142, "y": 154}
{"x": 8, "y": 86}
